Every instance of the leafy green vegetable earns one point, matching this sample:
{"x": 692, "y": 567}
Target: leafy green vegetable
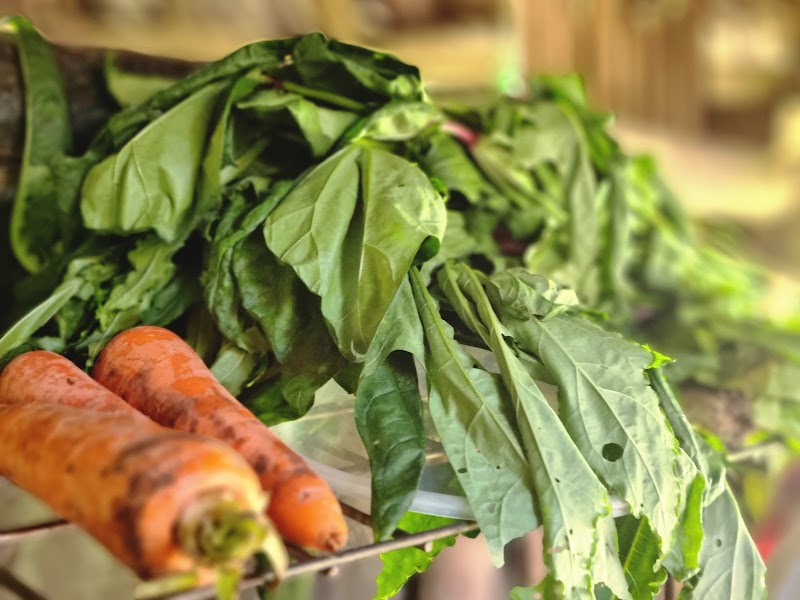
{"x": 388, "y": 414}
{"x": 730, "y": 566}
{"x": 248, "y": 204}
{"x": 38, "y": 222}
{"x": 301, "y": 210}
{"x": 351, "y": 228}
{"x": 575, "y": 508}
{"x": 149, "y": 184}
{"x": 320, "y": 127}
{"x": 641, "y": 557}
{"x": 401, "y": 329}
{"x": 152, "y": 268}
{"x": 611, "y": 413}
{"x": 400, "y": 565}
{"x": 130, "y": 89}
{"x": 472, "y": 415}
{"x": 27, "y": 326}
{"x": 233, "y": 368}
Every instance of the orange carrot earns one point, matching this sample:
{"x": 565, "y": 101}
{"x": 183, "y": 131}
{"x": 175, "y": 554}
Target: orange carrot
{"x": 161, "y": 375}
{"x": 161, "y": 501}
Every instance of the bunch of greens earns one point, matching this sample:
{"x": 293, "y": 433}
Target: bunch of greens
{"x": 301, "y": 210}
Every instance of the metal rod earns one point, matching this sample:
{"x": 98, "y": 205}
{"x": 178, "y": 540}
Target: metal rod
{"x": 14, "y": 536}
{"x": 18, "y": 587}
{"x": 305, "y": 562}
{"x": 336, "y": 560}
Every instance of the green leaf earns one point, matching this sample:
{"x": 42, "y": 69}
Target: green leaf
{"x": 224, "y": 290}
{"x": 233, "y": 367}
{"x": 568, "y": 90}
{"x": 574, "y": 506}
{"x": 37, "y": 222}
{"x": 270, "y": 293}
{"x": 151, "y": 269}
{"x": 129, "y": 88}
{"x": 448, "y": 161}
{"x": 150, "y": 183}
{"x": 218, "y": 165}
{"x": 174, "y": 299}
{"x": 400, "y": 121}
{"x": 121, "y": 127}
{"x": 351, "y": 228}
{"x": 311, "y": 360}
{"x": 401, "y": 329}
{"x": 708, "y": 482}
{"x": 320, "y": 126}
{"x": 708, "y": 462}
{"x": 400, "y": 565}
{"x": 388, "y": 415}
{"x": 525, "y": 295}
{"x": 39, "y": 316}
{"x": 641, "y": 555}
{"x": 331, "y": 71}
{"x": 611, "y": 413}
{"x": 470, "y": 410}
{"x": 730, "y": 566}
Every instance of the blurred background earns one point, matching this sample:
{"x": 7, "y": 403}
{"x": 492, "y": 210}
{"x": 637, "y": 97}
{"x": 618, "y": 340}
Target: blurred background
{"x": 711, "y": 88}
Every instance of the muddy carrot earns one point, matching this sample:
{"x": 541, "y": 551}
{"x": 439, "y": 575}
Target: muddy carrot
{"x": 161, "y": 375}
{"x": 161, "y": 501}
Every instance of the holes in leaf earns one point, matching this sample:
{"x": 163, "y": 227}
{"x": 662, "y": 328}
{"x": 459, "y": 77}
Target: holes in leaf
{"x": 612, "y": 452}
{"x": 462, "y": 470}
{"x": 718, "y": 543}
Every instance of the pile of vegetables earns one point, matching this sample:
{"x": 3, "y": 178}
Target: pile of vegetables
{"x": 301, "y": 210}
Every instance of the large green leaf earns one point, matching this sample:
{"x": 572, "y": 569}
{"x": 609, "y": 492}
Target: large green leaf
{"x": 611, "y": 413}
{"x": 37, "y": 221}
{"x": 574, "y": 506}
{"x": 351, "y": 228}
{"x": 471, "y": 412}
{"x": 388, "y": 414}
{"x": 730, "y": 566}
{"x": 150, "y": 183}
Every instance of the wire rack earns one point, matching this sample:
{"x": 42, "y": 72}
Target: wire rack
{"x": 301, "y": 561}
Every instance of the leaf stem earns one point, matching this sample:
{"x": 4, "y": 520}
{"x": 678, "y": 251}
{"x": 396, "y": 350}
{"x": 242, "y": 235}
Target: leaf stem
{"x": 327, "y": 97}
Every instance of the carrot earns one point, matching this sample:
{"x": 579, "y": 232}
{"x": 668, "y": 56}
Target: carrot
{"x": 161, "y": 501}
{"x": 161, "y": 375}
